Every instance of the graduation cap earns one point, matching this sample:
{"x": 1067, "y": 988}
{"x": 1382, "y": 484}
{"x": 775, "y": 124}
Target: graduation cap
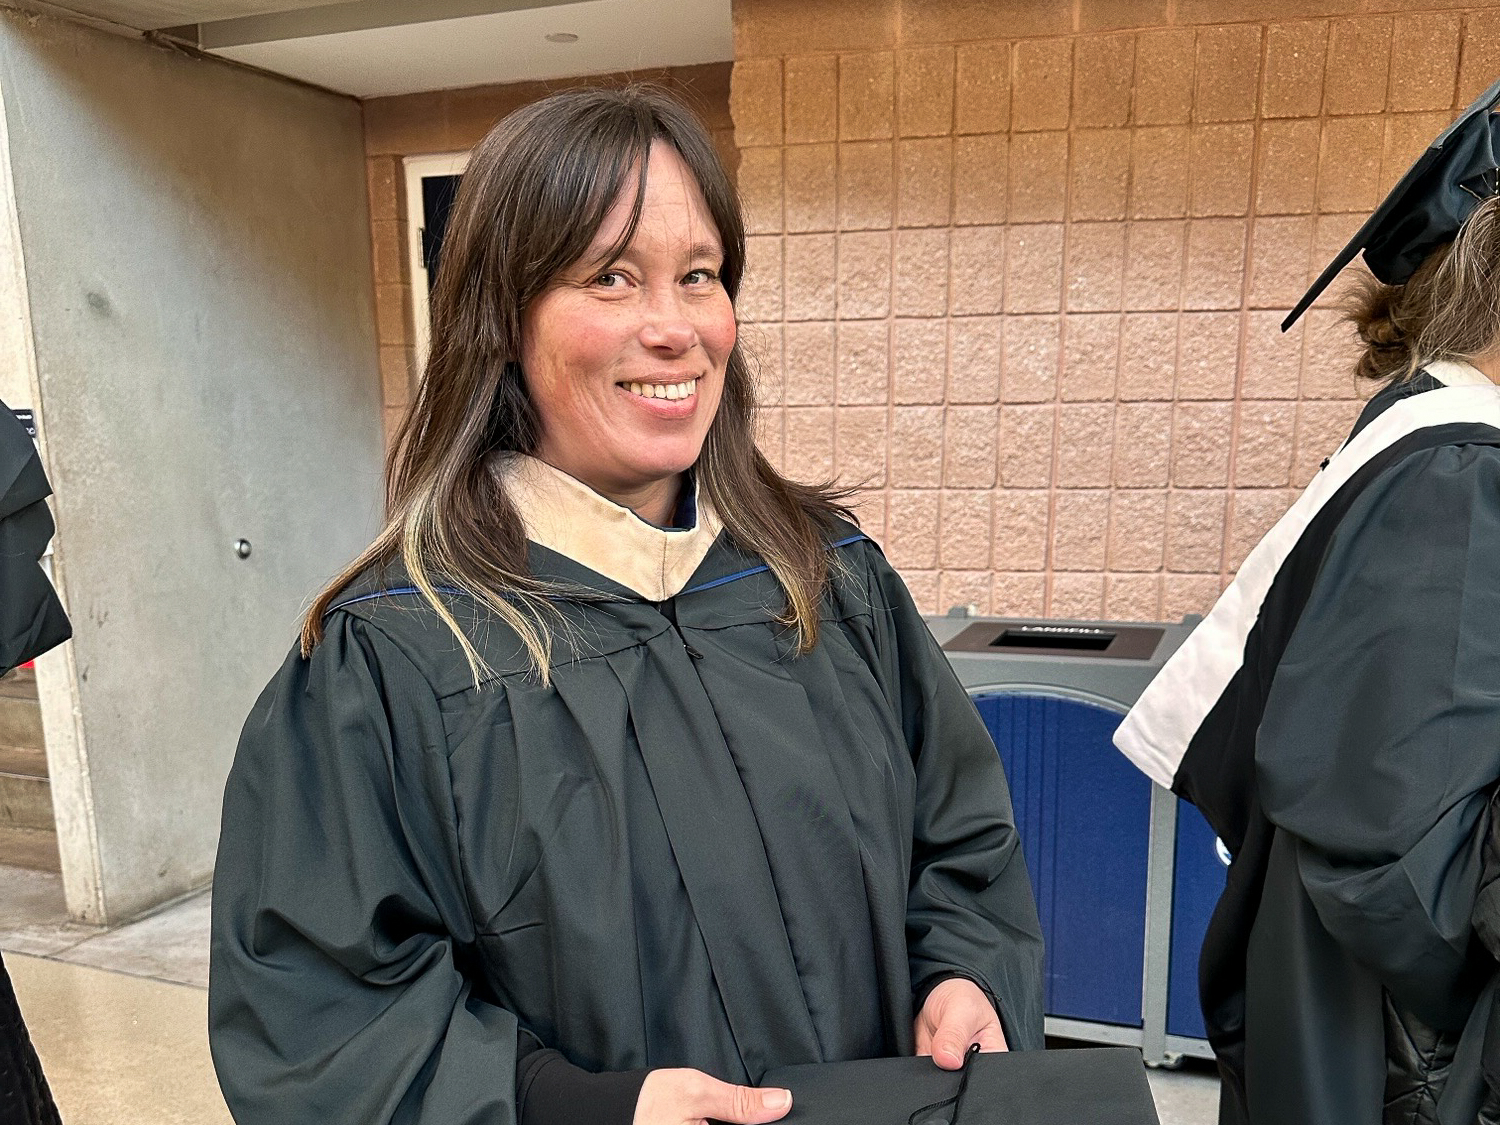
{"x": 1458, "y": 172}
{"x": 1059, "y": 1087}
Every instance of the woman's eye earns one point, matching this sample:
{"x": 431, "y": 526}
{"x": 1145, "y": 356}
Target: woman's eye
{"x": 609, "y": 280}
{"x": 701, "y": 277}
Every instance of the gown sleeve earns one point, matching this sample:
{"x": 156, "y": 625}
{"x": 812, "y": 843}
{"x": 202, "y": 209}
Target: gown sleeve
{"x": 340, "y": 925}
{"x": 1381, "y": 737}
{"x": 1487, "y": 926}
{"x": 970, "y": 910}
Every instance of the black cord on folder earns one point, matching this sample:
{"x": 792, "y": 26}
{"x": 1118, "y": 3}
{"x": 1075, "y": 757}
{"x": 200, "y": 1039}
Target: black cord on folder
{"x": 956, "y": 1101}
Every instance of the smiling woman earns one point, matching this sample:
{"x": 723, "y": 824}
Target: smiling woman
{"x": 547, "y": 221}
{"x": 619, "y": 770}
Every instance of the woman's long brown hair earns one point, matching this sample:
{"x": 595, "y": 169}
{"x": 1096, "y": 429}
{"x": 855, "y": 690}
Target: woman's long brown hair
{"x": 536, "y": 191}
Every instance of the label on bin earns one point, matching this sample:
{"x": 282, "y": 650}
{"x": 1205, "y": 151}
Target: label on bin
{"x": 1023, "y": 638}
{"x": 1057, "y": 636}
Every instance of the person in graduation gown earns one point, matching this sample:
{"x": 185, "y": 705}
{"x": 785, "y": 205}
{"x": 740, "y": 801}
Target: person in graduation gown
{"x": 32, "y": 621}
{"x": 1336, "y": 716}
{"x": 620, "y": 769}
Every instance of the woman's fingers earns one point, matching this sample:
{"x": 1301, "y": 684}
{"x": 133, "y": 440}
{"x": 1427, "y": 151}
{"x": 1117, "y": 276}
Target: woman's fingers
{"x": 952, "y": 1042}
{"x": 992, "y": 1038}
{"x": 743, "y": 1105}
{"x": 686, "y": 1097}
{"x": 956, "y": 1015}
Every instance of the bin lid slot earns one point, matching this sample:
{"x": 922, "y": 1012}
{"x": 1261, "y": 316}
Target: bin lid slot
{"x": 1052, "y": 636}
{"x": 1066, "y": 639}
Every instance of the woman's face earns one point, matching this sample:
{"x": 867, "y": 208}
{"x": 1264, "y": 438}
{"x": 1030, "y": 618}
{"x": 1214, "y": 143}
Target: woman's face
{"x": 625, "y": 362}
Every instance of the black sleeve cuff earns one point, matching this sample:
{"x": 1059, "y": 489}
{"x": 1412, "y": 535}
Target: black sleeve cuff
{"x": 924, "y": 989}
{"x": 552, "y": 1091}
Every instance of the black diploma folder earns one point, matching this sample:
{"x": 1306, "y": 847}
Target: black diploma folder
{"x": 1086, "y": 1086}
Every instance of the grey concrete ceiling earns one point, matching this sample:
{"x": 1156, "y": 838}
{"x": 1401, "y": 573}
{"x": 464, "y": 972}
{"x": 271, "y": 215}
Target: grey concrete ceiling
{"x": 370, "y": 48}
{"x": 245, "y": 21}
{"x": 148, "y": 15}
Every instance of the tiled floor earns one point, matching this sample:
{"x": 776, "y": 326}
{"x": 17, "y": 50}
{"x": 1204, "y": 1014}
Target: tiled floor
{"x": 119, "y": 1017}
{"x": 1189, "y": 1096}
{"x": 119, "y": 1049}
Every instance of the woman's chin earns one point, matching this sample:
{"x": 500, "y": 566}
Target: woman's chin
{"x": 664, "y": 464}
{"x": 662, "y": 476}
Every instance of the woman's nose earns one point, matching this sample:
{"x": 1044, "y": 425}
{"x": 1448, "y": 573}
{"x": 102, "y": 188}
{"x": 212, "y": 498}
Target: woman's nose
{"x": 667, "y": 325}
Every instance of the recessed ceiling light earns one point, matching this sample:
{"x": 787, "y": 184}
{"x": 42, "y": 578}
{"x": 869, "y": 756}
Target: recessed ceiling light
{"x": 562, "y": 37}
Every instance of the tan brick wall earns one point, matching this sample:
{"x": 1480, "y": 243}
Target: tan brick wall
{"x": 1019, "y": 266}
{"x": 455, "y": 121}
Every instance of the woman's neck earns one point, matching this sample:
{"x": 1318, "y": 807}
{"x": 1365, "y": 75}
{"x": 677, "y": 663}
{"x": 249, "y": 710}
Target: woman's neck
{"x": 653, "y": 502}
{"x": 656, "y": 503}
{"x": 1488, "y": 365}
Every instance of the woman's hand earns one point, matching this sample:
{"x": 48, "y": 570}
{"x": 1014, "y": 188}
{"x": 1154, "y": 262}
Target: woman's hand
{"x": 690, "y": 1097}
{"x": 955, "y": 1015}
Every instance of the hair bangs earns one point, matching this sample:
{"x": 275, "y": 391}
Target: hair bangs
{"x": 579, "y": 183}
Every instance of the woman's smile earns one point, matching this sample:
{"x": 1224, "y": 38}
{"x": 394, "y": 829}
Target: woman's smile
{"x": 660, "y": 391}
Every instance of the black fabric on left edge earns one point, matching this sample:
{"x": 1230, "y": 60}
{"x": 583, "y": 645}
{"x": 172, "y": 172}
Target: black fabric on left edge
{"x": 31, "y": 622}
{"x": 31, "y": 617}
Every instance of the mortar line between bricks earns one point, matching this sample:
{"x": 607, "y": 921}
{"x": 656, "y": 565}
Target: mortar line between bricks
{"x": 1237, "y": 412}
{"x": 890, "y": 320}
{"x": 1458, "y": 70}
{"x": 838, "y": 245}
{"x": 1128, "y": 223}
{"x": 1182, "y": 267}
{"x": 1055, "y": 489}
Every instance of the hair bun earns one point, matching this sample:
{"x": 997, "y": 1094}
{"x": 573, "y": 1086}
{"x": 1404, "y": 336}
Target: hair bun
{"x": 1378, "y": 327}
{"x": 1384, "y": 334}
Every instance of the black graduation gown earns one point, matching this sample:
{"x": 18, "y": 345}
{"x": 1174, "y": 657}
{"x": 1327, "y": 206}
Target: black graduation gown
{"x": 31, "y": 618}
{"x": 1347, "y": 763}
{"x": 31, "y": 622}
{"x": 693, "y": 848}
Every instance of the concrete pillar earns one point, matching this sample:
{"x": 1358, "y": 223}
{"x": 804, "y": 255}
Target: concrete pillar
{"x": 186, "y": 301}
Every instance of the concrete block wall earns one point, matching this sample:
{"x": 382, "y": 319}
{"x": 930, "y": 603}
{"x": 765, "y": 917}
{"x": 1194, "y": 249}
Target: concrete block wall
{"x": 1019, "y": 267}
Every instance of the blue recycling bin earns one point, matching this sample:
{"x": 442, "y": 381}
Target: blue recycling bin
{"x": 1082, "y": 811}
{"x": 1125, "y": 874}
